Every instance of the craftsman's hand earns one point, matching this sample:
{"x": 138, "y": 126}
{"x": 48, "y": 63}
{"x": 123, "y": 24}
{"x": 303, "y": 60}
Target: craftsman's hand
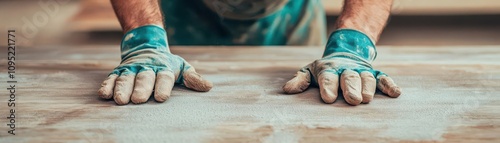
{"x": 346, "y": 62}
{"x": 146, "y": 64}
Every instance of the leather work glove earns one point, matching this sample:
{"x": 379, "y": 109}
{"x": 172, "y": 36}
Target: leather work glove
{"x": 147, "y": 64}
{"x": 346, "y": 62}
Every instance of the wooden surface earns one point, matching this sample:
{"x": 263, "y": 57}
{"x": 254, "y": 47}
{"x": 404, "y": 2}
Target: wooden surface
{"x": 450, "y": 94}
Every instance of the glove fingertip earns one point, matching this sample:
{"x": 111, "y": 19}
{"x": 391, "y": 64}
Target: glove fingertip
{"x": 106, "y": 90}
{"x": 194, "y": 81}
{"x": 387, "y": 86}
{"x": 395, "y": 92}
{"x": 297, "y": 84}
{"x": 291, "y": 88}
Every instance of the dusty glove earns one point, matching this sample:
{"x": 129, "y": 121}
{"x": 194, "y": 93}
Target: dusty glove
{"x": 348, "y": 55}
{"x": 146, "y": 64}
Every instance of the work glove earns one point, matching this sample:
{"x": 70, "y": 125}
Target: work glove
{"x": 147, "y": 64}
{"x": 348, "y": 55}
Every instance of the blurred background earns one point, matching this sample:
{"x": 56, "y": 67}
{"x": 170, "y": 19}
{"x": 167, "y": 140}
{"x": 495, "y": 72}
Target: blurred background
{"x": 413, "y": 22}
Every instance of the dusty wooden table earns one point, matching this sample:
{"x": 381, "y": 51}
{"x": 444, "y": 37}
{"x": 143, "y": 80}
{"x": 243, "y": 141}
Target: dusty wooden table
{"x": 450, "y": 94}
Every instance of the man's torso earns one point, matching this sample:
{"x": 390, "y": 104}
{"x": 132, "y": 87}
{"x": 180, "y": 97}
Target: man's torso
{"x": 244, "y": 22}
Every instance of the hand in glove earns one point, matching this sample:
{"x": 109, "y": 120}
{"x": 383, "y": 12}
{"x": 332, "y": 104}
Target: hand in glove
{"x": 147, "y": 64}
{"x": 346, "y": 62}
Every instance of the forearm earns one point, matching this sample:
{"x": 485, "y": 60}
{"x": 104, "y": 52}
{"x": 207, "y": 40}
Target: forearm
{"x": 135, "y": 13}
{"x": 367, "y": 16}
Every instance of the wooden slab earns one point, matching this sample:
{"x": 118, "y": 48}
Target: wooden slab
{"x": 450, "y": 94}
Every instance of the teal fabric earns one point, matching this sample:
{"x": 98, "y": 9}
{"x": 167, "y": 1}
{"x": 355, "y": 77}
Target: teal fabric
{"x": 351, "y": 49}
{"x": 145, "y": 37}
{"x": 351, "y": 41}
{"x": 192, "y": 22}
{"x": 146, "y": 48}
{"x": 244, "y": 9}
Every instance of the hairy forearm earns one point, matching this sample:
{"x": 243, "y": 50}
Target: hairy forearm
{"x": 367, "y": 16}
{"x": 135, "y": 13}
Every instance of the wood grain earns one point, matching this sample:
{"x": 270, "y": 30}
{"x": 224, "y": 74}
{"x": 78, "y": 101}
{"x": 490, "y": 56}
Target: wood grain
{"x": 450, "y": 94}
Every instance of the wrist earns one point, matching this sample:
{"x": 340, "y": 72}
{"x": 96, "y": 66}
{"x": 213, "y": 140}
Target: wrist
{"x": 351, "y": 41}
{"x": 145, "y": 37}
{"x": 365, "y": 29}
{"x": 127, "y": 28}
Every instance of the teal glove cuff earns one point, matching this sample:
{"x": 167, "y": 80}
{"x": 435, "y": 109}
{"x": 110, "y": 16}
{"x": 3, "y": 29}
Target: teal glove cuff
{"x": 353, "y": 42}
{"x": 144, "y": 37}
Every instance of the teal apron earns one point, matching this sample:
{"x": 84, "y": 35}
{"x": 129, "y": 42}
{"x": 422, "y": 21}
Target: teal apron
{"x": 244, "y": 22}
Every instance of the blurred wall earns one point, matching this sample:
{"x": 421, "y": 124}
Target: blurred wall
{"x": 37, "y": 21}
{"x": 414, "y": 22}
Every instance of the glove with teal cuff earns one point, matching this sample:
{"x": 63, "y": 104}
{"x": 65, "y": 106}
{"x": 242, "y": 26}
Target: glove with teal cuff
{"x": 147, "y": 64}
{"x": 348, "y": 55}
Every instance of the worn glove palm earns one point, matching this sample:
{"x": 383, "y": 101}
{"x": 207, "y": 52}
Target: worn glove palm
{"x": 146, "y": 64}
{"x": 348, "y": 54}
